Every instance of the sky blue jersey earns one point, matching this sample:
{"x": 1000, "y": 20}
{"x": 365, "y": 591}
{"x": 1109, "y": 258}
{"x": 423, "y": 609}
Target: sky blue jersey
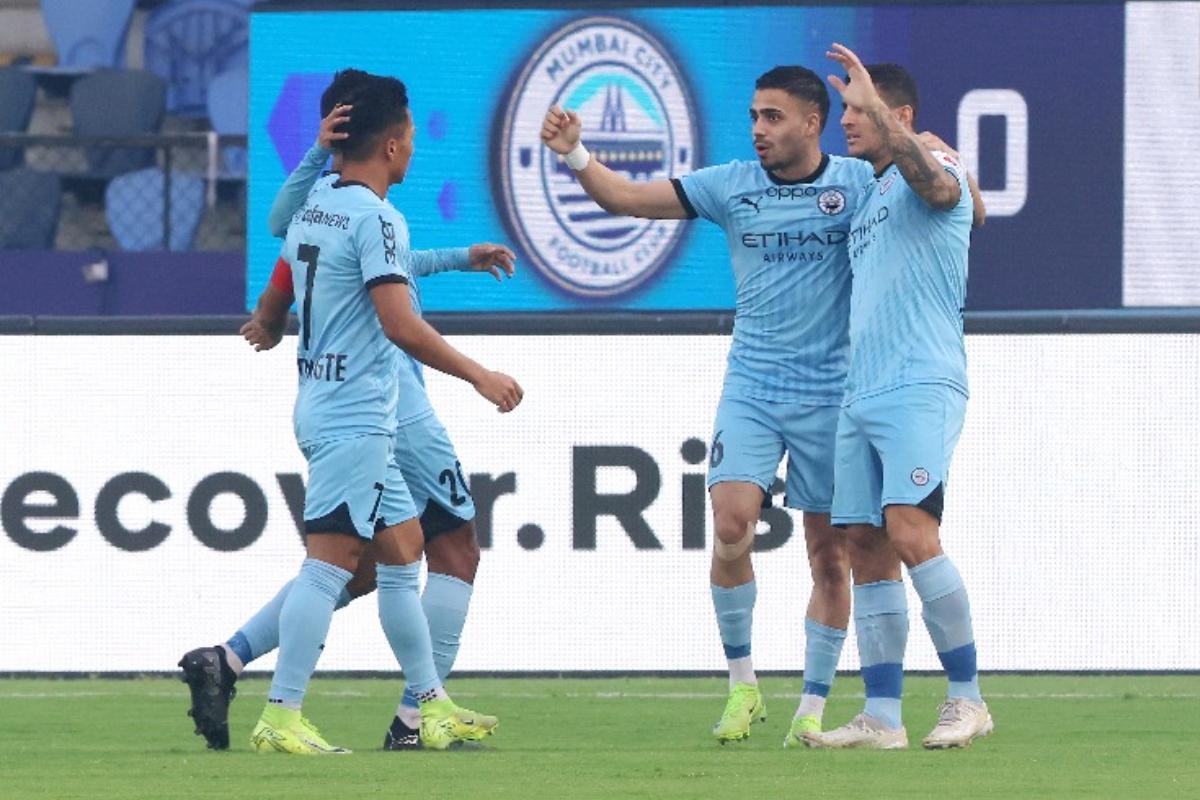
{"x": 308, "y": 179}
{"x": 344, "y": 241}
{"x": 910, "y": 286}
{"x": 787, "y": 242}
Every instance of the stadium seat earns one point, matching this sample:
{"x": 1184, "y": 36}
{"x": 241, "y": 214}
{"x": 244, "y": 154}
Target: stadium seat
{"x": 88, "y": 35}
{"x": 118, "y": 103}
{"x": 188, "y": 42}
{"x": 133, "y": 204}
{"x": 18, "y": 90}
{"x": 29, "y": 207}
{"x": 228, "y": 109}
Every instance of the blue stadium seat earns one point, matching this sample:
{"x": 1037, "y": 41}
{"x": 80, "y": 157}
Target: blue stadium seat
{"x": 188, "y": 42}
{"x": 133, "y": 204}
{"x": 90, "y": 34}
{"x": 118, "y": 103}
{"x": 18, "y": 90}
{"x": 228, "y": 110}
{"x": 29, "y": 206}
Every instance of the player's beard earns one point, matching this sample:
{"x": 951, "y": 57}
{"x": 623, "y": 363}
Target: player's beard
{"x": 779, "y": 163}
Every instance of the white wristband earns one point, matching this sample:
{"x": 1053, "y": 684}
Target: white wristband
{"x": 578, "y": 158}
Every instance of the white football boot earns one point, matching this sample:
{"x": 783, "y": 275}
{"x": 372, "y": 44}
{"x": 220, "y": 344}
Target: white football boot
{"x": 960, "y": 722}
{"x": 862, "y": 732}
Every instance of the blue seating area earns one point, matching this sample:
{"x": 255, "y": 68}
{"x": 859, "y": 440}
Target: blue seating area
{"x": 228, "y": 104}
{"x": 190, "y": 42}
{"x": 116, "y": 102}
{"x": 18, "y": 92}
{"x": 193, "y": 79}
{"x": 29, "y": 209}
{"x": 146, "y": 190}
{"x": 88, "y": 35}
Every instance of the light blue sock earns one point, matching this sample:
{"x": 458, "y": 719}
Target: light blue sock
{"x": 822, "y": 649}
{"x": 735, "y": 617}
{"x": 260, "y": 634}
{"x": 405, "y": 626}
{"x": 947, "y": 614}
{"x": 445, "y": 600}
{"x": 881, "y": 621}
{"x": 303, "y": 624}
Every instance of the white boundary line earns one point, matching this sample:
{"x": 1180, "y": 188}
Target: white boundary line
{"x": 182, "y": 693}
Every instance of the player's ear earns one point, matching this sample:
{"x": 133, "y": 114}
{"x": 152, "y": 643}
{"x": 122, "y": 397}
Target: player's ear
{"x": 814, "y": 123}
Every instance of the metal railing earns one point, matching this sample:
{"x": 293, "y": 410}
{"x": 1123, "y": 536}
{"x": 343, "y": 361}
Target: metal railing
{"x": 86, "y": 165}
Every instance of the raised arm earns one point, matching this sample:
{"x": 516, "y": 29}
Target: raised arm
{"x": 616, "y": 194}
{"x": 931, "y": 182}
{"x": 291, "y": 196}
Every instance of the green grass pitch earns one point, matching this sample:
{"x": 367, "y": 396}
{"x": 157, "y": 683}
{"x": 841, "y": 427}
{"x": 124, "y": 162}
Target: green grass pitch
{"x": 1056, "y": 737}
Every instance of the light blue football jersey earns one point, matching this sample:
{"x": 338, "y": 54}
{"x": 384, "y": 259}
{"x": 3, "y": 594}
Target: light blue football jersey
{"x": 414, "y": 400}
{"x": 787, "y": 242}
{"x": 910, "y": 287}
{"x": 344, "y": 241}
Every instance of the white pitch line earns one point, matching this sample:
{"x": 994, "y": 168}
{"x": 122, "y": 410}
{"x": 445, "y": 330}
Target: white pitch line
{"x": 66, "y": 695}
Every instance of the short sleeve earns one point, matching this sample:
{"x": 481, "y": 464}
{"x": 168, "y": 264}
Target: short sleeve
{"x": 705, "y": 192}
{"x": 281, "y": 277}
{"x": 949, "y": 163}
{"x": 381, "y": 239}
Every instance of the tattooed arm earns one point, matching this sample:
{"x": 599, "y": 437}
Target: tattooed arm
{"x": 925, "y": 175}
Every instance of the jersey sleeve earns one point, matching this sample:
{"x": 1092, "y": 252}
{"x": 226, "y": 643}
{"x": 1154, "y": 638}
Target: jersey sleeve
{"x": 291, "y": 196}
{"x": 705, "y": 192}
{"x": 955, "y": 168}
{"x": 281, "y": 277}
{"x": 431, "y": 262}
{"x": 381, "y": 243}
{"x": 950, "y": 164}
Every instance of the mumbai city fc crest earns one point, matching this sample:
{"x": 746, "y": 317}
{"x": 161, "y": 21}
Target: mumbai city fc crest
{"x": 638, "y": 120}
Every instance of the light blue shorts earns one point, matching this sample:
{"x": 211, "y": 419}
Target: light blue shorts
{"x": 894, "y": 449}
{"x": 751, "y": 436}
{"x": 435, "y": 486}
{"x": 347, "y": 484}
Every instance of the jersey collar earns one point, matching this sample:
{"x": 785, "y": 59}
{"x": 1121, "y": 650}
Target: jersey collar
{"x": 341, "y": 184}
{"x": 883, "y": 171}
{"x": 778, "y": 181}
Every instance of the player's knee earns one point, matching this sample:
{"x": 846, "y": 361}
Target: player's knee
{"x": 830, "y": 565}
{"x": 730, "y": 525}
{"x": 913, "y": 533}
{"x": 732, "y": 542}
{"x": 872, "y": 557}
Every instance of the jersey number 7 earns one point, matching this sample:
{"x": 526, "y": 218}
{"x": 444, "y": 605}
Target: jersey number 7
{"x": 308, "y": 253}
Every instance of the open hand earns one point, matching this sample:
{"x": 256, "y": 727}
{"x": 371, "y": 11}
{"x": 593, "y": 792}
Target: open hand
{"x": 494, "y": 258}
{"x": 861, "y": 91}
